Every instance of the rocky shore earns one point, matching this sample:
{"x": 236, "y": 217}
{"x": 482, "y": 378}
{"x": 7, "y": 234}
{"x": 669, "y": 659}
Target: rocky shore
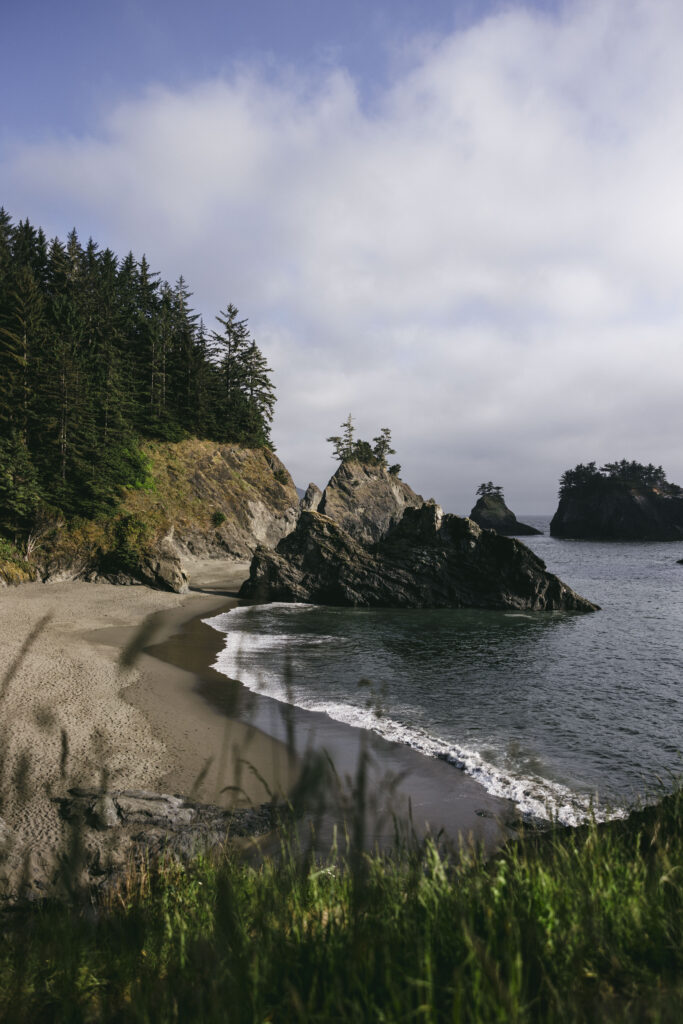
{"x": 426, "y": 560}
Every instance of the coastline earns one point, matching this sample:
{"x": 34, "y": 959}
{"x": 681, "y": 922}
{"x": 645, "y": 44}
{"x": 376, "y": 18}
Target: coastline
{"x": 68, "y": 714}
{"x": 168, "y": 718}
{"x": 404, "y": 787}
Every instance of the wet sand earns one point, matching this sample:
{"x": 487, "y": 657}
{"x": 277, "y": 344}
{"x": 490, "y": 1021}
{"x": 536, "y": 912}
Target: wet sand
{"x": 115, "y": 686}
{"x": 401, "y": 786}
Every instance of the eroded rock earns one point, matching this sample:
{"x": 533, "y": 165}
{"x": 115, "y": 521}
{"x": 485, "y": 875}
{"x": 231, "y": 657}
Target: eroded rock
{"x": 366, "y": 500}
{"x": 311, "y": 499}
{"x": 426, "y": 560}
{"x": 491, "y": 513}
{"x": 611, "y": 510}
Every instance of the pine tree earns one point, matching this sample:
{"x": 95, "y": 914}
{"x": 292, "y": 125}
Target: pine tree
{"x": 96, "y": 354}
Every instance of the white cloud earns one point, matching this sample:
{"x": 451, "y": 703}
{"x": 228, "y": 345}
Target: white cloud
{"x": 487, "y": 260}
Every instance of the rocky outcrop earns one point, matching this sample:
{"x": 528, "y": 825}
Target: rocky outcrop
{"x": 201, "y": 500}
{"x": 366, "y": 500}
{"x": 115, "y": 827}
{"x": 310, "y": 502}
{"x": 426, "y": 560}
{"x": 219, "y": 500}
{"x": 610, "y": 510}
{"x": 491, "y": 513}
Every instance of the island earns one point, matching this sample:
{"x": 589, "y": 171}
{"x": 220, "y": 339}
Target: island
{"x": 491, "y": 513}
{"x": 624, "y": 501}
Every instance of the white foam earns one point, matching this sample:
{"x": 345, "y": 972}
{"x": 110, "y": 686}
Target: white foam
{"x": 243, "y": 659}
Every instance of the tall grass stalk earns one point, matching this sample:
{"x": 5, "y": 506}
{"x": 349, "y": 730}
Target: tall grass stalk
{"x": 578, "y": 925}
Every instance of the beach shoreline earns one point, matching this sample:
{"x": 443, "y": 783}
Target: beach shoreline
{"x": 167, "y": 722}
{"x": 68, "y": 714}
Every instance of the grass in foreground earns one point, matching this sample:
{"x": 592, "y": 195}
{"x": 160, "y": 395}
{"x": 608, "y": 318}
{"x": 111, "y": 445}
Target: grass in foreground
{"x": 582, "y": 925}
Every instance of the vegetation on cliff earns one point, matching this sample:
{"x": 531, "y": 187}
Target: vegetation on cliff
{"x": 625, "y": 473}
{"x": 349, "y": 448}
{"x": 619, "y": 501}
{"x": 97, "y": 355}
{"x": 491, "y": 513}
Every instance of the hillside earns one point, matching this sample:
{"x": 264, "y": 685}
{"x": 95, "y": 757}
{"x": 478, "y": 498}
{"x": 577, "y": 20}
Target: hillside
{"x": 198, "y": 499}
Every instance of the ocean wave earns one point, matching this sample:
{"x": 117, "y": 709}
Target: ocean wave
{"x": 246, "y": 657}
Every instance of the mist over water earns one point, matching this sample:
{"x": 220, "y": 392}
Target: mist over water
{"x": 559, "y": 712}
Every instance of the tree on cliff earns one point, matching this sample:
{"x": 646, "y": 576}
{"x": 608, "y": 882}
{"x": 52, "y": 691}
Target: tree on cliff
{"x": 625, "y": 473}
{"x": 489, "y": 490}
{"x": 96, "y": 353}
{"x": 346, "y": 446}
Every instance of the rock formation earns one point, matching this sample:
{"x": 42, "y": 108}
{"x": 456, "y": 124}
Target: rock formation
{"x": 202, "y": 500}
{"x": 366, "y": 500}
{"x": 611, "y": 510}
{"x": 112, "y": 829}
{"x": 491, "y": 513}
{"x": 426, "y": 560}
{"x": 311, "y": 499}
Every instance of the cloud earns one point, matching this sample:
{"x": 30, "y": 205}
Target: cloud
{"x": 486, "y": 259}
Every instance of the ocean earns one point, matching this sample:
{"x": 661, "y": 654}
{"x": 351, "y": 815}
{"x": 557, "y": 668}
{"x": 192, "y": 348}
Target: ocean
{"x": 568, "y": 715}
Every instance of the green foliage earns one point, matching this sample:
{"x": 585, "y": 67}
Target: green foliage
{"x": 625, "y": 473}
{"x": 96, "y": 354}
{"x": 490, "y": 490}
{"x": 131, "y": 535}
{"x": 19, "y": 489}
{"x": 578, "y": 925}
{"x": 218, "y": 518}
{"x": 346, "y": 447}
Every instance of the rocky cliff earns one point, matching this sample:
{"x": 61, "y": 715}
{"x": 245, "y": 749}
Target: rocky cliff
{"x": 366, "y": 500}
{"x": 426, "y": 560}
{"x": 492, "y": 513}
{"x": 311, "y": 498}
{"x": 610, "y": 510}
{"x": 200, "y": 499}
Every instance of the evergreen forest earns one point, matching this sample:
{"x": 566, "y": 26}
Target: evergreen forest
{"x": 625, "y": 473}
{"x": 98, "y": 354}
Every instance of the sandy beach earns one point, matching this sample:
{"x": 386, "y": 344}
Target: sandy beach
{"x": 68, "y": 710}
{"x": 106, "y": 685}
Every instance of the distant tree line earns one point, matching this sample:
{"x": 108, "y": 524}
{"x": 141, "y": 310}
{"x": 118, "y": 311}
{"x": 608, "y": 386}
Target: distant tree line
{"x": 347, "y": 446}
{"x": 629, "y": 474}
{"x": 96, "y": 353}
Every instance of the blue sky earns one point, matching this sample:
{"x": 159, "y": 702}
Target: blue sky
{"x": 72, "y": 59}
{"x": 460, "y": 220}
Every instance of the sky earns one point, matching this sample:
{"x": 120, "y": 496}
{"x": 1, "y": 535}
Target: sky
{"x": 460, "y": 220}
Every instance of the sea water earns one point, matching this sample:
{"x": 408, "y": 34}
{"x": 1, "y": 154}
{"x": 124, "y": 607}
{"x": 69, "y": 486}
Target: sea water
{"x": 566, "y": 714}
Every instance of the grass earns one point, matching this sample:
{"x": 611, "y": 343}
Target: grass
{"x": 571, "y": 925}
{"x": 578, "y": 925}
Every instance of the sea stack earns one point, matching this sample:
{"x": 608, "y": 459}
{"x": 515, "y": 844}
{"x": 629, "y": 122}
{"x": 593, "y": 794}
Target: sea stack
{"x": 366, "y": 499}
{"x": 425, "y": 560}
{"x": 491, "y": 513}
{"x": 622, "y": 501}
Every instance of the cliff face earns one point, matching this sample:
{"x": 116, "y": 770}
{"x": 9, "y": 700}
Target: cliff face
{"x": 217, "y": 500}
{"x": 200, "y": 499}
{"x": 366, "y": 500}
{"x": 615, "y": 511}
{"x": 311, "y": 499}
{"x": 427, "y": 560}
{"x": 491, "y": 513}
